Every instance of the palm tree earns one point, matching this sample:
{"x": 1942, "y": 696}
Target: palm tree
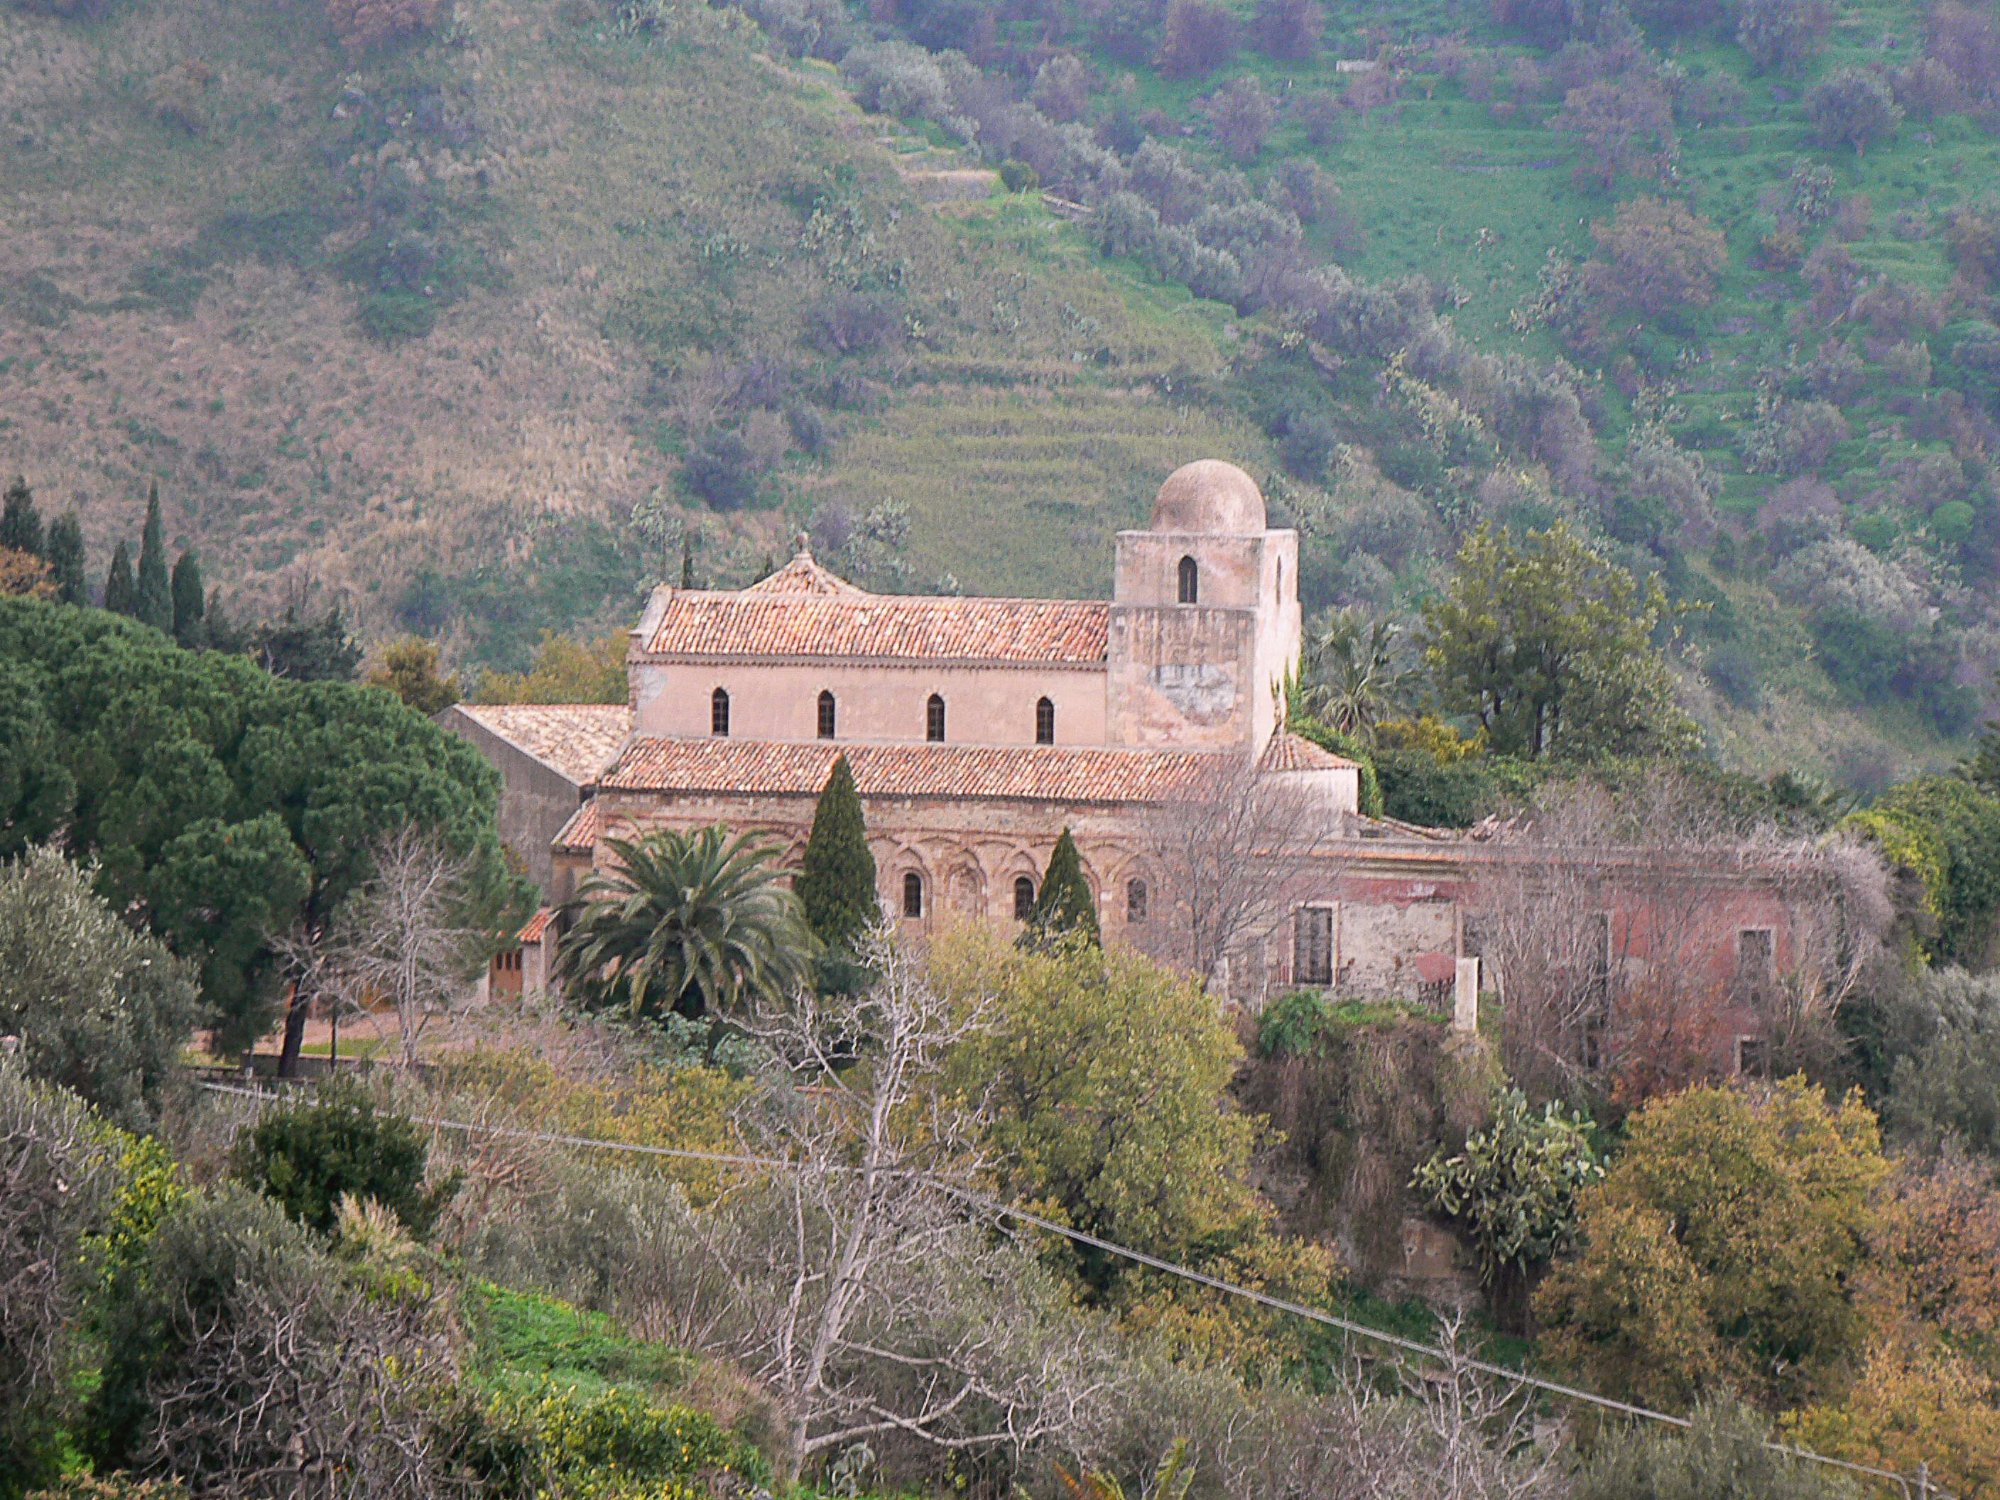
{"x": 1352, "y": 678}
{"x": 688, "y": 922}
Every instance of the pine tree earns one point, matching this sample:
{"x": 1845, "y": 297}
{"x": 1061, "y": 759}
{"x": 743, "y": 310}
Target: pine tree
{"x": 836, "y": 884}
{"x": 154, "y": 602}
{"x": 190, "y": 610}
{"x": 20, "y": 522}
{"x": 1063, "y": 907}
{"x": 66, "y": 560}
{"x": 121, "y": 595}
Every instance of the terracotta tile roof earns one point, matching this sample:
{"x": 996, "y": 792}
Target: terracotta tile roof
{"x": 802, "y": 610}
{"x": 576, "y": 739}
{"x": 538, "y": 924}
{"x": 1037, "y": 773}
{"x": 804, "y": 576}
{"x": 1292, "y": 752}
{"x": 581, "y": 833}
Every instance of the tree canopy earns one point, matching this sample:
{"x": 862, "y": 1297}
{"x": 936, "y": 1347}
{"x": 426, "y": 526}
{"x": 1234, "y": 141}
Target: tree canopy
{"x": 836, "y": 885}
{"x": 223, "y": 806}
{"x": 1548, "y": 643}
{"x": 1064, "y": 907}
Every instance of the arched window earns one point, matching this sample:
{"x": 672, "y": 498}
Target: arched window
{"x": 1024, "y": 898}
{"x": 1135, "y": 900}
{"x": 934, "y": 720}
{"x": 1045, "y": 722}
{"x": 913, "y": 895}
{"x": 718, "y": 712}
{"x": 826, "y": 716}
{"x": 1190, "y": 581}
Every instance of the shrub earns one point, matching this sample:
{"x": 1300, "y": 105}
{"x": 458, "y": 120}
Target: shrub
{"x": 363, "y": 25}
{"x": 1725, "y": 1452}
{"x": 721, "y": 470}
{"x": 1514, "y": 1188}
{"x": 1016, "y": 176}
{"x": 243, "y": 1350}
{"x": 60, "y": 1174}
{"x": 397, "y": 316}
{"x": 1196, "y": 39}
{"x": 99, "y": 1009}
{"x": 553, "y": 1440}
{"x": 1782, "y": 35}
{"x": 309, "y": 1155}
{"x": 1287, "y": 29}
{"x": 1852, "y": 107}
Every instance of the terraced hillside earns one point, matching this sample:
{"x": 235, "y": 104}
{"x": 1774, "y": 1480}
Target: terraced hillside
{"x": 428, "y": 325}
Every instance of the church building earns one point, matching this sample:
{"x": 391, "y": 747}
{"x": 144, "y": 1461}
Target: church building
{"x": 978, "y": 729}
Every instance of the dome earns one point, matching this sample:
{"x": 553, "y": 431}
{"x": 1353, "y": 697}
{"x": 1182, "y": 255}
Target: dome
{"x": 1209, "y": 495}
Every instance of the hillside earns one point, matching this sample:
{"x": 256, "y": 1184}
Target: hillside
{"x": 1783, "y": 399}
{"x": 483, "y": 327}
{"x": 425, "y": 326}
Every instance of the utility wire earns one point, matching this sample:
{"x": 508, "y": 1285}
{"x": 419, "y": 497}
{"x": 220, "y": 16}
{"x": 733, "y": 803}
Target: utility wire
{"x": 1920, "y": 1486}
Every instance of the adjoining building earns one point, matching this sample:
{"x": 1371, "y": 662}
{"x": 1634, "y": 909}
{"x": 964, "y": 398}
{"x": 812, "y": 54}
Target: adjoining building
{"x": 978, "y": 729}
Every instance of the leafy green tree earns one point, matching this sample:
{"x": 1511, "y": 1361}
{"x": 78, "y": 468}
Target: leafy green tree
{"x": 20, "y": 522}
{"x": 1733, "y": 1221}
{"x": 1515, "y": 1186}
{"x": 121, "y": 594}
{"x": 154, "y": 600}
{"x": 100, "y": 1009}
{"x": 689, "y": 923}
{"x": 36, "y": 788}
{"x": 1063, "y": 908}
{"x": 1108, "y": 1078}
{"x": 409, "y": 669}
{"x": 190, "y": 605}
{"x": 1941, "y": 1085}
{"x": 66, "y": 559}
{"x": 564, "y": 670}
{"x": 836, "y": 884}
{"x": 309, "y": 1155}
{"x": 1548, "y": 644}
{"x": 308, "y": 650}
{"x": 224, "y": 807}
{"x": 1946, "y": 831}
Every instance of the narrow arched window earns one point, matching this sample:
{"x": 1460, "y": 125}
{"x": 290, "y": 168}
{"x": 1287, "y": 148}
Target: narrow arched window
{"x": 1135, "y": 900}
{"x": 718, "y": 712}
{"x": 1024, "y": 898}
{"x": 1045, "y": 722}
{"x": 934, "y": 720}
{"x": 913, "y": 895}
{"x": 1190, "y": 581}
{"x": 826, "y": 716}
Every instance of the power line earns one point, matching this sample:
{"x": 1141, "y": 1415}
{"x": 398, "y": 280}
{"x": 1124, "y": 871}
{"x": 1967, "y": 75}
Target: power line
{"x": 1919, "y": 1486}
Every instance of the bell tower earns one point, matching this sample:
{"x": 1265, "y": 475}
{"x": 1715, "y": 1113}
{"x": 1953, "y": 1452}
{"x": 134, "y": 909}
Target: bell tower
{"x": 1205, "y": 620}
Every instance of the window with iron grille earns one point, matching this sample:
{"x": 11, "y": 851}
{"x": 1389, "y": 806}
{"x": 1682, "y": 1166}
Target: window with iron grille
{"x": 1312, "y": 945}
{"x": 913, "y": 895}
{"x": 1024, "y": 898}
{"x": 1135, "y": 900}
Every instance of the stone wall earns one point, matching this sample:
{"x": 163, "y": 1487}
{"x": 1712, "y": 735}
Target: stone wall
{"x": 535, "y": 798}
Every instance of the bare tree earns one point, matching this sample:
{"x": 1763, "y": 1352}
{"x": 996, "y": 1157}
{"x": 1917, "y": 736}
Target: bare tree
{"x": 402, "y": 940}
{"x": 1608, "y": 920}
{"x": 1233, "y": 853}
{"x": 874, "y": 1299}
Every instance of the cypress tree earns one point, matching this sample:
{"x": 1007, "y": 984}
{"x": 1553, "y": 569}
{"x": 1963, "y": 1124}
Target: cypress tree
{"x": 121, "y": 595}
{"x": 836, "y": 884}
{"x": 20, "y": 522}
{"x": 154, "y": 602}
{"x": 1063, "y": 907}
{"x": 66, "y": 561}
{"x": 190, "y": 623}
